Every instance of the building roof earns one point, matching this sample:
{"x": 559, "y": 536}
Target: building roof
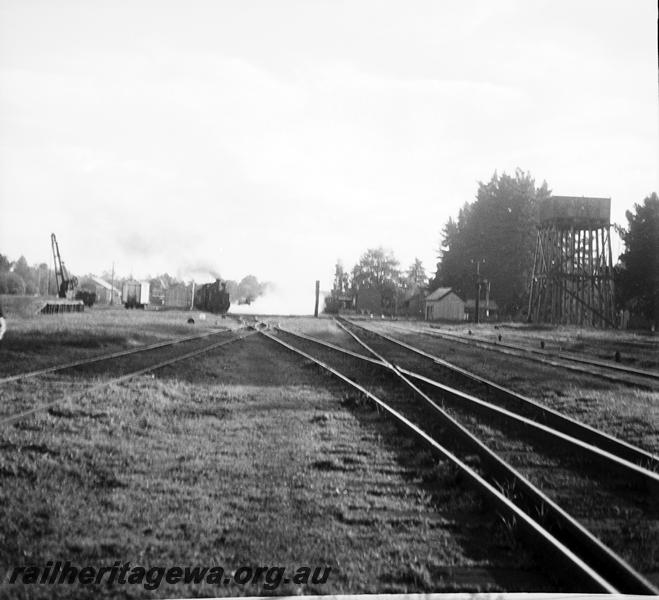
{"x": 439, "y": 293}
{"x": 104, "y": 284}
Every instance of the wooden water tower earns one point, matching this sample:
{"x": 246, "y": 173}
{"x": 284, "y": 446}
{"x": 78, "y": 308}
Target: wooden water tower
{"x": 572, "y": 281}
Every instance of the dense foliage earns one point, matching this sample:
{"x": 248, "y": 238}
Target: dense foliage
{"x": 416, "y": 275}
{"x": 498, "y": 232}
{"x": 637, "y": 276}
{"x": 377, "y": 269}
{"x": 20, "y": 278}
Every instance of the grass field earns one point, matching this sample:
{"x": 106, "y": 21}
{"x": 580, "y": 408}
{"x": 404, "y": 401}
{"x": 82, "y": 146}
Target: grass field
{"x": 245, "y": 457}
{"x": 35, "y": 341}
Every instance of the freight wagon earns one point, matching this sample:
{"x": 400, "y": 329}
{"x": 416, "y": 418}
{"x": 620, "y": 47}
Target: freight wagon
{"x": 135, "y": 294}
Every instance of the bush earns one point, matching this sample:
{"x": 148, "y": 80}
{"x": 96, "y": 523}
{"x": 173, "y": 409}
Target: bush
{"x": 10, "y": 283}
{"x": 87, "y": 297}
{"x": 331, "y": 306}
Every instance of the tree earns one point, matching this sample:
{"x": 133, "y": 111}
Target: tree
{"x": 28, "y": 274}
{"x": 5, "y": 264}
{"x": 11, "y": 283}
{"x": 416, "y": 275}
{"x": 497, "y": 231}
{"x": 42, "y": 279}
{"x": 377, "y": 268}
{"x": 637, "y": 278}
{"x": 341, "y": 283}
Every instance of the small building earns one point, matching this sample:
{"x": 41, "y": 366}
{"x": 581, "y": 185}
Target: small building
{"x": 105, "y": 292}
{"x": 488, "y": 310}
{"x": 344, "y": 301}
{"x": 444, "y": 305}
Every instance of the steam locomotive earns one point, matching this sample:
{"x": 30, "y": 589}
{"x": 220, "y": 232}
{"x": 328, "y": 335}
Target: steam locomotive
{"x": 212, "y": 297}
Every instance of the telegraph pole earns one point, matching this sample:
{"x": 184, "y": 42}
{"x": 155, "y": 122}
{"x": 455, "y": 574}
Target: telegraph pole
{"x": 478, "y": 291}
{"x": 315, "y": 310}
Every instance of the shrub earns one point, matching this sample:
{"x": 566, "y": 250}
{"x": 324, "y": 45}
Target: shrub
{"x": 331, "y": 306}
{"x": 10, "y": 283}
{"x": 88, "y": 298}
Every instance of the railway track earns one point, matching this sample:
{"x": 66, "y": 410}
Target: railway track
{"x": 506, "y": 398}
{"x": 26, "y": 394}
{"x": 615, "y": 372}
{"x": 468, "y": 438}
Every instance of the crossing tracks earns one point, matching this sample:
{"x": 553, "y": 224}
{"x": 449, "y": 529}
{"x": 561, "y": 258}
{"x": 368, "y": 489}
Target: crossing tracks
{"x": 501, "y": 467}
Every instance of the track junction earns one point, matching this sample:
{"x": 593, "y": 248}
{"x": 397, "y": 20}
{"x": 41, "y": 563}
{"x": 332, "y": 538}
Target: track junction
{"x": 572, "y": 494}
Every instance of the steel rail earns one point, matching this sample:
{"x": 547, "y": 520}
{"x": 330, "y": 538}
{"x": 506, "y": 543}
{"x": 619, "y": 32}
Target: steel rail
{"x": 533, "y": 530}
{"x": 528, "y": 354}
{"x": 10, "y": 420}
{"x": 549, "y": 416}
{"x": 645, "y": 477}
{"x": 330, "y": 345}
{"x": 560, "y": 354}
{"x": 648, "y": 478}
{"x": 118, "y": 354}
{"x": 570, "y": 531}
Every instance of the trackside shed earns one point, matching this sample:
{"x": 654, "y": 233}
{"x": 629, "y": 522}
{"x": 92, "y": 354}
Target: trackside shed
{"x": 444, "y": 305}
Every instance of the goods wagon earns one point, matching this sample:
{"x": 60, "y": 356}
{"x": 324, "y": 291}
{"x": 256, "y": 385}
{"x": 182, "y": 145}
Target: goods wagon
{"x": 135, "y": 294}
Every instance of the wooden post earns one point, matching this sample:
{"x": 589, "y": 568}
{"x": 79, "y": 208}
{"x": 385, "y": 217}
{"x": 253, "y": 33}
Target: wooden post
{"x": 112, "y": 286}
{"x": 478, "y": 291}
{"x": 610, "y": 314}
{"x": 315, "y": 310}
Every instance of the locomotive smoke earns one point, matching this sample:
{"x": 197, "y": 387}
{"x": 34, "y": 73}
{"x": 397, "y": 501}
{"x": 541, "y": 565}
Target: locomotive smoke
{"x": 290, "y": 298}
{"x": 200, "y": 271}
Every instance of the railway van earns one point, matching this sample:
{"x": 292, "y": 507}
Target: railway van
{"x": 135, "y": 294}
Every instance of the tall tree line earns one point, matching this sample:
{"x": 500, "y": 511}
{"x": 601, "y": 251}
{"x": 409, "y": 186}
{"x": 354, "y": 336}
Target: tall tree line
{"x": 637, "y": 273}
{"x": 496, "y": 234}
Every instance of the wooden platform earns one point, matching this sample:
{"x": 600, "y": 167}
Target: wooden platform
{"x": 61, "y": 306}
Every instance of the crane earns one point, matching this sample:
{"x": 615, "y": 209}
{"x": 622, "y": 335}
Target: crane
{"x": 64, "y": 281}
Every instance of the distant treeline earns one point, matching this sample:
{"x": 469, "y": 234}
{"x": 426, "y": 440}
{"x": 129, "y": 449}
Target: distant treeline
{"x": 20, "y": 278}
{"x": 377, "y": 269}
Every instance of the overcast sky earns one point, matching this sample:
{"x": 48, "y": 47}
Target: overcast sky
{"x": 273, "y": 137}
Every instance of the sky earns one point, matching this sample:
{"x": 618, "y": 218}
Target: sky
{"x": 273, "y": 138}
